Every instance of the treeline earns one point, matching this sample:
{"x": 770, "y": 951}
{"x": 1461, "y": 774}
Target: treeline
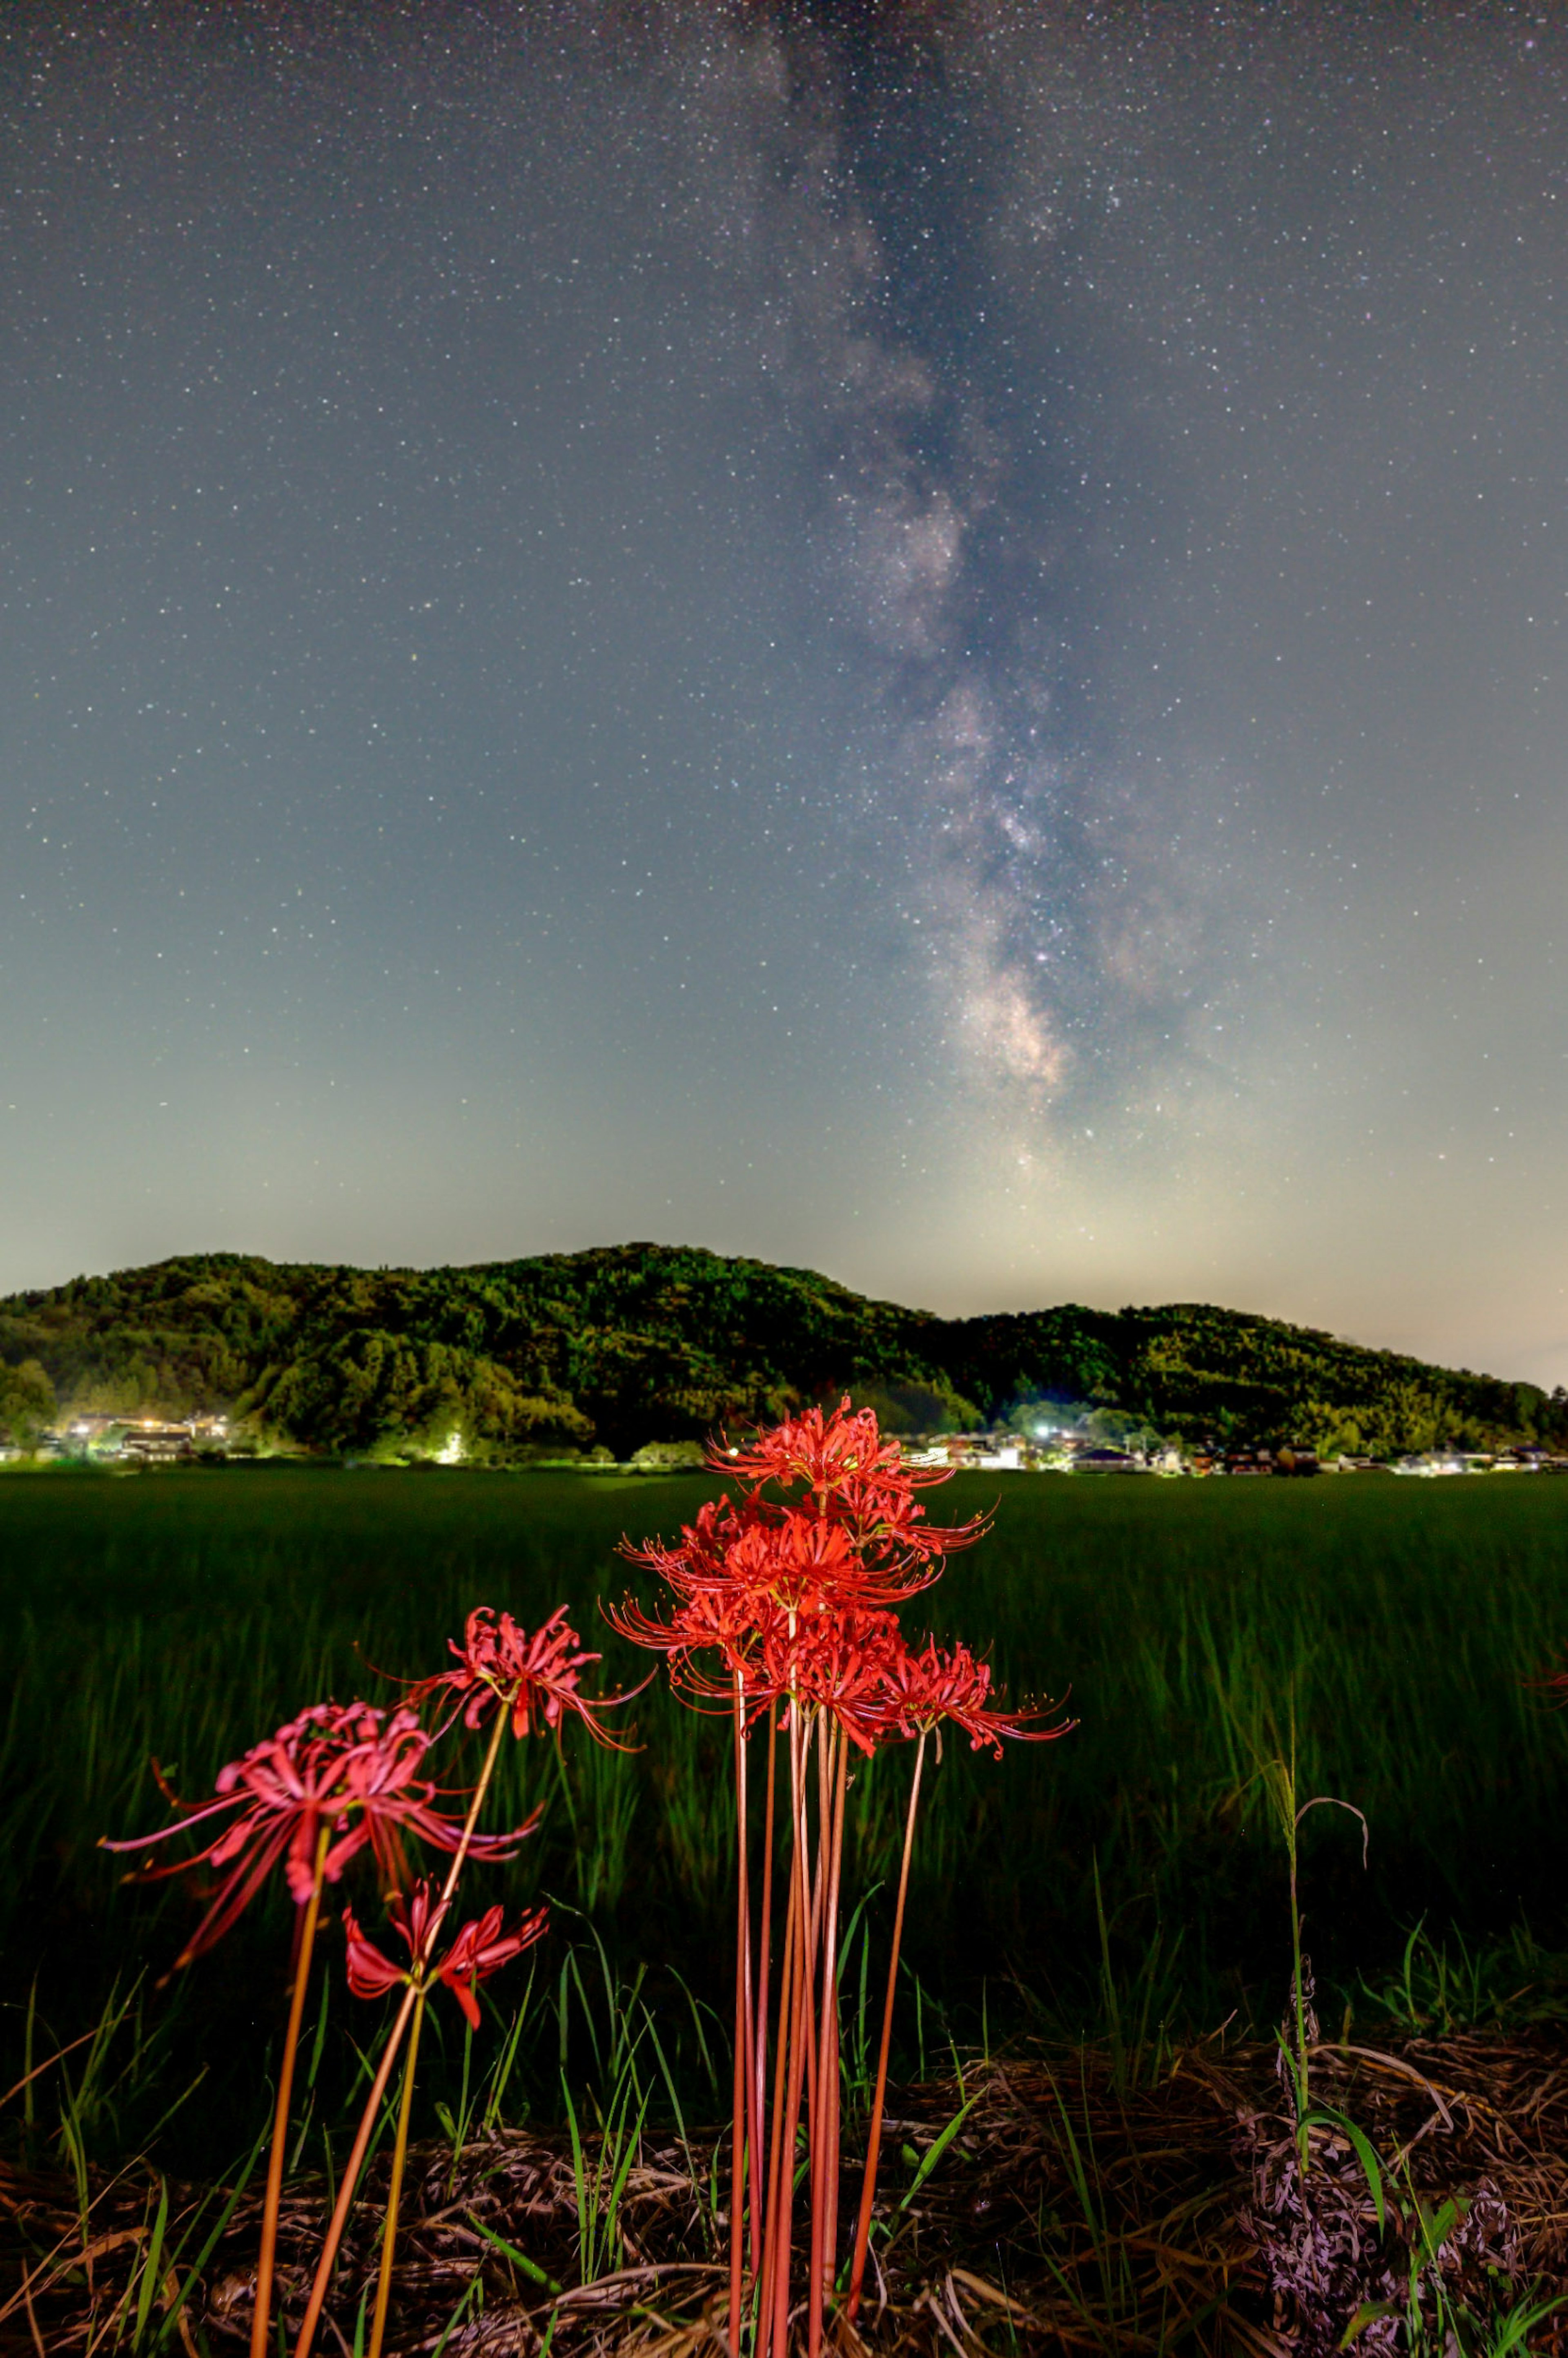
{"x": 633, "y": 1343}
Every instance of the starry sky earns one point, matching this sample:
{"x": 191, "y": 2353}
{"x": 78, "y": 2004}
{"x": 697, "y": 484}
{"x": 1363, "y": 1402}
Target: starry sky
{"x": 925, "y": 640}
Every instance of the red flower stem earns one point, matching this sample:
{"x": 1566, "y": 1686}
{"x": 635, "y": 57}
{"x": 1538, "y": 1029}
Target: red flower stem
{"x": 346, "y": 2191}
{"x": 763, "y": 1987}
{"x": 395, "y": 2191}
{"x": 394, "y": 2040}
{"x": 830, "y": 2034}
{"x": 873, "y": 2147}
{"x": 261, "y": 2318}
{"x": 800, "y": 2024}
{"x": 466, "y": 1838}
{"x": 819, "y": 2135}
{"x": 799, "y": 2040}
{"x": 378, "y": 2088}
{"x": 780, "y": 2153}
{"x": 775, "y": 2168}
{"x": 743, "y": 2023}
{"x": 412, "y": 2006}
{"x": 811, "y": 1871}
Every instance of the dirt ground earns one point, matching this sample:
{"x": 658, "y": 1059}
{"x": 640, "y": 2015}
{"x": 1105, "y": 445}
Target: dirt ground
{"x": 1070, "y": 2212}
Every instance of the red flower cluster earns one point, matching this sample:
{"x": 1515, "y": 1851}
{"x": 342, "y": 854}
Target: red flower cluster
{"x": 534, "y": 1678}
{"x": 479, "y": 1951}
{"x": 342, "y": 1777}
{"x": 346, "y": 1771}
{"x": 785, "y": 1603}
{"x": 794, "y": 1594}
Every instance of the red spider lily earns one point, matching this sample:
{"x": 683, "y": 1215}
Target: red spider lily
{"x": 825, "y": 1453}
{"x": 792, "y": 1620}
{"x": 347, "y": 1771}
{"x": 533, "y": 1678}
{"x": 744, "y": 1569}
{"x": 481, "y": 1949}
{"x": 784, "y": 1611}
{"x": 857, "y": 1477}
{"x": 934, "y": 1686}
{"x": 698, "y": 1559}
{"x": 416, "y": 1922}
{"x": 527, "y": 1684}
{"x": 859, "y": 1537}
{"x": 797, "y": 1559}
{"x": 844, "y": 1664}
{"x": 735, "y": 1627}
{"x": 803, "y": 1565}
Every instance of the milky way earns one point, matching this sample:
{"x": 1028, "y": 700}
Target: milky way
{"x": 922, "y": 642}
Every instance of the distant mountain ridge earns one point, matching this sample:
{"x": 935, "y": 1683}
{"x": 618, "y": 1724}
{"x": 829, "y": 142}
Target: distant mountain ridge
{"x": 631, "y": 1342}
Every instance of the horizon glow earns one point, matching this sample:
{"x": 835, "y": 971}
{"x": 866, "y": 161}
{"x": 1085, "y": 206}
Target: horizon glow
{"x": 926, "y": 644}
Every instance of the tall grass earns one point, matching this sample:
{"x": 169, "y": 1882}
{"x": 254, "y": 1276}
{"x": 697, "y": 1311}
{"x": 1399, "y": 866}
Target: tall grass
{"x": 1120, "y": 1876}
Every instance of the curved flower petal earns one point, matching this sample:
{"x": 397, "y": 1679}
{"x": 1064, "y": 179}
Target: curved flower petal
{"x": 534, "y": 1679}
{"x": 350, "y": 1771}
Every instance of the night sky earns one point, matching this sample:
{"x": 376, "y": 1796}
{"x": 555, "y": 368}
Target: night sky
{"x": 928, "y": 641}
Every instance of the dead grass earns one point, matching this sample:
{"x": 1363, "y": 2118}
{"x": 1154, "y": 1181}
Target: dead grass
{"x": 1066, "y": 2215}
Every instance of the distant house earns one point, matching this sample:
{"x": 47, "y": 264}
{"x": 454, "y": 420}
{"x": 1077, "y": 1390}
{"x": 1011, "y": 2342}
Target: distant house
{"x": 977, "y": 1453}
{"x": 1100, "y": 1460}
{"x": 158, "y": 1444}
{"x": 99, "y": 1432}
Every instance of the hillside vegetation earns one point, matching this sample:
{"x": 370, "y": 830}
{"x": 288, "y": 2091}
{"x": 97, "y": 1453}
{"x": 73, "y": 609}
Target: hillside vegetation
{"x": 633, "y": 1343}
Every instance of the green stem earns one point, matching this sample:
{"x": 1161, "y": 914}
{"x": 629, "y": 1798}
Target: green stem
{"x": 1302, "y": 2096}
{"x": 1293, "y": 1843}
{"x": 395, "y": 2191}
{"x": 261, "y": 2318}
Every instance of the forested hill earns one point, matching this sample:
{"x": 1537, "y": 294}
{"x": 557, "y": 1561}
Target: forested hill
{"x": 633, "y": 1343}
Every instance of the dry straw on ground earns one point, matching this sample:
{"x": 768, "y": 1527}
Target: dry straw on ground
{"x": 1070, "y": 2212}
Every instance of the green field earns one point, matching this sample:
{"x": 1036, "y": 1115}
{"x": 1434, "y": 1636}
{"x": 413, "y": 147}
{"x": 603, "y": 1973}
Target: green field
{"x": 184, "y": 1614}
